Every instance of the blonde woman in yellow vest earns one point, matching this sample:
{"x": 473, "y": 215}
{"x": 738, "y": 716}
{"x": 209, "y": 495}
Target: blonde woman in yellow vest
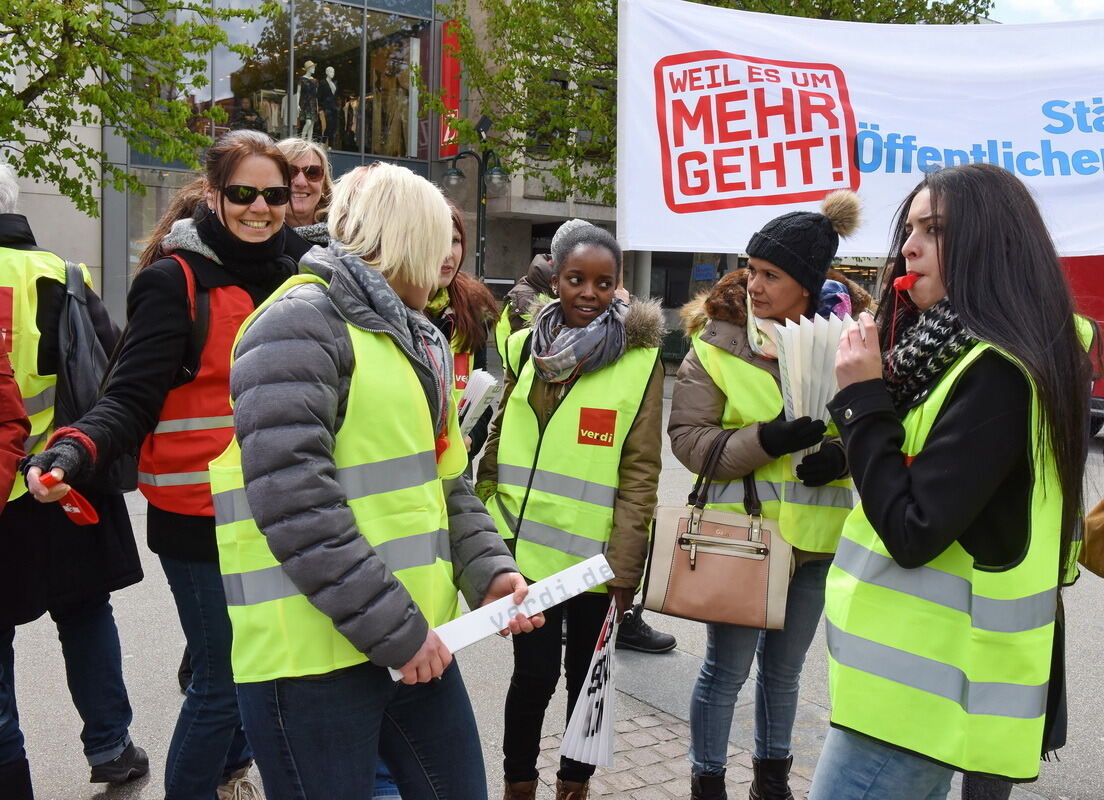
{"x": 570, "y": 471}
{"x": 344, "y": 526}
{"x": 966, "y": 439}
{"x": 730, "y": 379}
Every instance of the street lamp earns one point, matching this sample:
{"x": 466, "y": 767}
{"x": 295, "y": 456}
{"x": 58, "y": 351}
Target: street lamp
{"x": 491, "y": 180}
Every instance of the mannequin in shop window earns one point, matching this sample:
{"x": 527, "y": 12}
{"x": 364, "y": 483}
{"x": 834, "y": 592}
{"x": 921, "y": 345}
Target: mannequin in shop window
{"x": 306, "y": 100}
{"x": 327, "y": 104}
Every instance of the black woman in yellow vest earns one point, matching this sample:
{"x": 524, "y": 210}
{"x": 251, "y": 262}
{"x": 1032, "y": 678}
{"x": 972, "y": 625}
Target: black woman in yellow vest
{"x": 730, "y": 380}
{"x": 570, "y": 471}
{"x": 967, "y": 441}
{"x": 463, "y": 309}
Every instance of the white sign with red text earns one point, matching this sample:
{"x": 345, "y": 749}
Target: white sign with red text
{"x": 727, "y": 119}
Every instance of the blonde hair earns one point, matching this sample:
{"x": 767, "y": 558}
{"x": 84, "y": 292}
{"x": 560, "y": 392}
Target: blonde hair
{"x": 397, "y": 221}
{"x": 294, "y": 149}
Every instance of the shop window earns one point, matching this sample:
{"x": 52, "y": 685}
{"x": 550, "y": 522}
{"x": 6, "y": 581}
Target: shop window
{"x": 398, "y": 48}
{"x": 327, "y": 73}
{"x": 253, "y": 91}
{"x": 144, "y": 210}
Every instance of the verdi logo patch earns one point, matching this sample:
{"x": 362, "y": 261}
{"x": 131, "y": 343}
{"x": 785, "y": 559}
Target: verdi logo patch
{"x": 597, "y": 426}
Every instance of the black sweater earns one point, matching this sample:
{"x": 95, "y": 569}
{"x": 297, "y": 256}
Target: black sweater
{"x": 971, "y": 482}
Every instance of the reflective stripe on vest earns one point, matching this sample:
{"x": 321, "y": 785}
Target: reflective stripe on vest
{"x": 557, "y": 489}
{"x": 392, "y": 484}
{"x": 946, "y": 660}
{"x": 809, "y": 517}
{"x": 43, "y": 401}
{"x": 20, "y": 271}
{"x": 196, "y": 422}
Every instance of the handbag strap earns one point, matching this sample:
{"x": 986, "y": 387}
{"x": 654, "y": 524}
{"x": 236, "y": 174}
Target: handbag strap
{"x": 700, "y": 491}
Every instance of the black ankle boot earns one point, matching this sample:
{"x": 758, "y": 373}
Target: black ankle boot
{"x": 15, "y": 781}
{"x": 771, "y": 779}
{"x": 708, "y": 787}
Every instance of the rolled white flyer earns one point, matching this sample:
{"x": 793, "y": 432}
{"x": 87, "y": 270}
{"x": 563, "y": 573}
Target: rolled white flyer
{"x": 493, "y": 617}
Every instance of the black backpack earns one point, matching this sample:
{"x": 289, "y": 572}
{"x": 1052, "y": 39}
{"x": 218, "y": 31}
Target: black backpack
{"x": 82, "y": 366}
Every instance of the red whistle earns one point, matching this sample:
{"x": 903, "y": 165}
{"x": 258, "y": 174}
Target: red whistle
{"x": 905, "y": 282}
{"x": 73, "y": 503}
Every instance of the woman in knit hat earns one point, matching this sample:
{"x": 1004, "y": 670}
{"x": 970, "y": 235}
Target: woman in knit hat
{"x": 730, "y": 379}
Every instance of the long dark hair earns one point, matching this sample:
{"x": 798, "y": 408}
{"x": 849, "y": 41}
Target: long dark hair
{"x": 1006, "y": 284}
{"x": 472, "y": 304}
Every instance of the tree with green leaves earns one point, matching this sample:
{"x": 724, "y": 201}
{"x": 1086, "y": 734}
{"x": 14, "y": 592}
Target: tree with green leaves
{"x": 545, "y": 71}
{"x": 133, "y": 65}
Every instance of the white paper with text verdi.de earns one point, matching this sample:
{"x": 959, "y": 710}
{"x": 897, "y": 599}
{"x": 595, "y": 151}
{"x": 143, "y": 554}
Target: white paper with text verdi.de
{"x": 493, "y": 617}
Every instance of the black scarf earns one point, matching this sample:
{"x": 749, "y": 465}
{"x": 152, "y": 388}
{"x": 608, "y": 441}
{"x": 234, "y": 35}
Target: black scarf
{"x": 263, "y": 264}
{"x": 925, "y": 350}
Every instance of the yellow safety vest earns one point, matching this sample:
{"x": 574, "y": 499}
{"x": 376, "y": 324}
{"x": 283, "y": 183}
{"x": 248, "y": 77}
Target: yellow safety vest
{"x": 947, "y": 660}
{"x": 1086, "y": 330}
{"x": 503, "y": 329}
{"x": 809, "y": 517}
{"x": 20, "y": 271}
{"x": 556, "y": 489}
{"x": 392, "y": 483}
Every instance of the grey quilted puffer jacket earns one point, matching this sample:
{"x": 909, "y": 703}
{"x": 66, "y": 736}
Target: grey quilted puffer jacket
{"x": 289, "y": 384}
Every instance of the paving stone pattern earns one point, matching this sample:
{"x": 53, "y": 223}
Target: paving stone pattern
{"x": 650, "y": 763}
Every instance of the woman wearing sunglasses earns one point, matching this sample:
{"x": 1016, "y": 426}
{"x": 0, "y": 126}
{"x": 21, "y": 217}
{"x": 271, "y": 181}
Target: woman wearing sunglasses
{"x": 311, "y": 189}
{"x": 168, "y": 392}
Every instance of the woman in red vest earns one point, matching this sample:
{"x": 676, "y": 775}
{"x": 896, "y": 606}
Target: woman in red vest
{"x": 168, "y": 392}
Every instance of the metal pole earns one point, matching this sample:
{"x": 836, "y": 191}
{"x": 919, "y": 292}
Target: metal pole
{"x": 481, "y": 218}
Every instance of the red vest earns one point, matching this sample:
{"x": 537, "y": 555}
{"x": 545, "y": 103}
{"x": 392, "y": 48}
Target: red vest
{"x": 196, "y": 422}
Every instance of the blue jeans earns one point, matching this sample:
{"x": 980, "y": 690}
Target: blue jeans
{"x": 781, "y": 654}
{"x": 94, "y": 672}
{"x": 208, "y": 742}
{"x": 319, "y": 736}
{"x": 385, "y": 783}
{"x": 853, "y": 767}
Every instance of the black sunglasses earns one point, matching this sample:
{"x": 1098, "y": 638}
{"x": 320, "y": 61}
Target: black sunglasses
{"x": 245, "y": 195}
{"x": 313, "y": 173}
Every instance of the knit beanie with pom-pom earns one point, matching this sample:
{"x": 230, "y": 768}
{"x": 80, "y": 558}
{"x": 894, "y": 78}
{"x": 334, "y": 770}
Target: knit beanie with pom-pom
{"x": 803, "y": 243}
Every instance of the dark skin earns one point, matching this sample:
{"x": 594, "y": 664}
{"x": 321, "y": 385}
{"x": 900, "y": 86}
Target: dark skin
{"x": 585, "y": 284}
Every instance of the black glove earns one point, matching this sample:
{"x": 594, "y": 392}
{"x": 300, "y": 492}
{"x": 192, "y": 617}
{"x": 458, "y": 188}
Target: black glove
{"x": 824, "y": 466}
{"x": 780, "y": 436}
{"x": 67, "y": 454}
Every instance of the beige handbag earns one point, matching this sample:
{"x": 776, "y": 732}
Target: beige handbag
{"x": 718, "y": 566}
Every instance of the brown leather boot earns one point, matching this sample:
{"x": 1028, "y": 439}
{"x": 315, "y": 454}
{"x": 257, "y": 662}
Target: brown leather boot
{"x": 521, "y": 790}
{"x": 572, "y": 790}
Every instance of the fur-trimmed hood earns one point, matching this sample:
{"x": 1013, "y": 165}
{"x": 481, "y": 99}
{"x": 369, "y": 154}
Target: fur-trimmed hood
{"x": 644, "y": 325}
{"x": 727, "y": 301}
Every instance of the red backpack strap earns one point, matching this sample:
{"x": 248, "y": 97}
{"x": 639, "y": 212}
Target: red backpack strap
{"x": 189, "y": 280}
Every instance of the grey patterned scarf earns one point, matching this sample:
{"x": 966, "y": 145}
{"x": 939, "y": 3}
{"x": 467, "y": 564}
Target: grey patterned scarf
{"x": 923, "y": 353}
{"x": 561, "y": 354}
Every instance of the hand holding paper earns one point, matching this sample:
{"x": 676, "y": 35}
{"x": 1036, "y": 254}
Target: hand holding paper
{"x": 512, "y": 583}
{"x": 859, "y": 356}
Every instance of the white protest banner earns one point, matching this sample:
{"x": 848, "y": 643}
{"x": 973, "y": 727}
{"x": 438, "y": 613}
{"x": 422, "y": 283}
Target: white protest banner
{"x": 493, "y": 617}
{"x": 589, "y": 734}
{"x": 727, "y": 119}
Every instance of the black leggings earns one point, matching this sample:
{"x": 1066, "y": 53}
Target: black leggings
{"x": 537, "y": 658}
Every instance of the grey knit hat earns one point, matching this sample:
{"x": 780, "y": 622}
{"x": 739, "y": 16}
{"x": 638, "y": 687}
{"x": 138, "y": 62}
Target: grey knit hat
{"x": 803, "y": 243}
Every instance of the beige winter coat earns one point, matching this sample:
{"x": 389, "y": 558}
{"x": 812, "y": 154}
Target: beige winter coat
{"x": 638, "y": 474}
{"x": 697, "y": 403}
